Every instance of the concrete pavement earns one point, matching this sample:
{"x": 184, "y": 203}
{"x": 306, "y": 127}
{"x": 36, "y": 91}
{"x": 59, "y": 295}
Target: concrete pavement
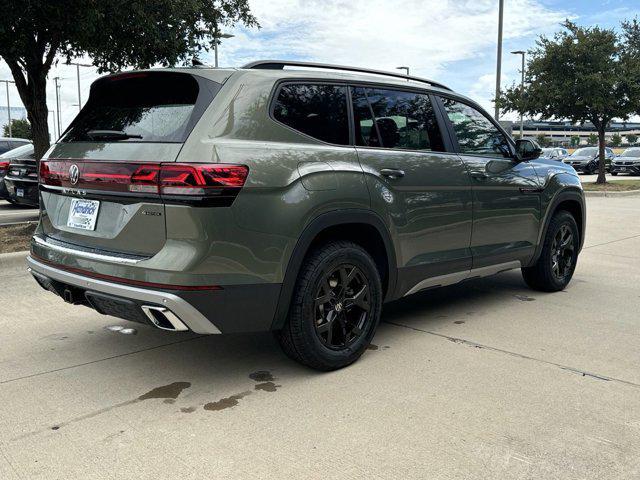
{"x": 483, "y": 380}
{"x": 15, "y": 214}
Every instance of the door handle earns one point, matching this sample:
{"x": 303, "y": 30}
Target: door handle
{"x": 479, "y": 175}
{"x": 392, "y": 173}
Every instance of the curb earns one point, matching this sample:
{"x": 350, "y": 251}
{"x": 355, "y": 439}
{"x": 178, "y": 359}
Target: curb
{"x": 13, "y": 262}
{"x": 629, "y": 193}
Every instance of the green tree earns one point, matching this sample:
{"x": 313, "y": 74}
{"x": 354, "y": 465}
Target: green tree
{"x": 632, "y": 139}
{"x": 584, "y": 74}
{"x": 593, "y": 139}
{"x": 20, "y": 128}
{"x": 616, "y": 140}
{"x": 575, "y": 140}
{"x": 542, "y": 140}
{"x": 114, "y": 33}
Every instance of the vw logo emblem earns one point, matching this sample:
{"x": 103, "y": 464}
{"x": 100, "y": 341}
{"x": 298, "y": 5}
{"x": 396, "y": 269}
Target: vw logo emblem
{"x": 74, "y": 174}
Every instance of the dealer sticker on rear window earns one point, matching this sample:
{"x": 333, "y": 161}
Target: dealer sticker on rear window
{"x": 83, "y": 214}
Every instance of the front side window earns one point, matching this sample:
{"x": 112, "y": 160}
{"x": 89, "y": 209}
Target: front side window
{"x": 319, "y": 111}
{"x": 395, "y": 119}
{"x": 476, "y": 134}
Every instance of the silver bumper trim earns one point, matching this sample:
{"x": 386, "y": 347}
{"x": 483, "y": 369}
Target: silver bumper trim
{"x": 83, "y": 254}
{"x": 183, "y": 310}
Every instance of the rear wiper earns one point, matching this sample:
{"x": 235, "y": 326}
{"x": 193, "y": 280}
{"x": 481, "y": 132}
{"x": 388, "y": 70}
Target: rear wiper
{"x": 110, "y": 135}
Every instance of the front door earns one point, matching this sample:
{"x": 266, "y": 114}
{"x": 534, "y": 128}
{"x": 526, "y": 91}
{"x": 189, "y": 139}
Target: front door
{"x": 506, "y": 193}
{"x": 424, "y": 192}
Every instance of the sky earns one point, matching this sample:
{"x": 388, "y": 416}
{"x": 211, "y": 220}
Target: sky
{"x": 451, "y": 41}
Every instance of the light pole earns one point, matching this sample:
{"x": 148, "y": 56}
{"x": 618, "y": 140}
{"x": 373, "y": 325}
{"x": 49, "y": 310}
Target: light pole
{"x": 53, "y": 119}
{"x": 78, "y": 65}
{"x": 57, "y": 103}
{"x": 406, "y": 69}
{"x": 523, "y": 53}
{"x": 499, "y": 61}
{"x": 216, "y": 39}
{"x": 6, "y": 83}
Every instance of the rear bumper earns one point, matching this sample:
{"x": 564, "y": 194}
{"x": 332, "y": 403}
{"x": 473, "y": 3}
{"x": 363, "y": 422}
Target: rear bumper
{"x": 138, "y": 297}
{"x": 632, "y": 169}
{"x": 232, "y": 309}
{"x": 30, "y": 193}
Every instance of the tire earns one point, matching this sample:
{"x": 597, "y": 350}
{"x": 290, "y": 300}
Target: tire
{"x": 552, "y": 272}
{"x": 324, "y": 313}
{"x": 614, "y": 173}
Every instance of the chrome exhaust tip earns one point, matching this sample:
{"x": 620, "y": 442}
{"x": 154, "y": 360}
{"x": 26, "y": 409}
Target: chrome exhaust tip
{"x": 164, "y": 319}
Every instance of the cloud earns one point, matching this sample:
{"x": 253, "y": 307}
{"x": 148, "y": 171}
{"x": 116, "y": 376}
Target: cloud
{"x": 452, "y": 41}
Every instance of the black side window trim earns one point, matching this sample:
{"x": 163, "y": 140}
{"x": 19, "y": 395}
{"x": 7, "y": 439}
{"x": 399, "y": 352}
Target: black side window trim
{"x": 451, "y": 130}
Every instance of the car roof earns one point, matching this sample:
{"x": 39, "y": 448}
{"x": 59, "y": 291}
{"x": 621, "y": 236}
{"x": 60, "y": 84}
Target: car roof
{"x": 14, "y": 139}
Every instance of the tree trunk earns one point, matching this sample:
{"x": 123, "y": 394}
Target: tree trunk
{"x": 601, "y": 165}
{"x": 33, "y": 93}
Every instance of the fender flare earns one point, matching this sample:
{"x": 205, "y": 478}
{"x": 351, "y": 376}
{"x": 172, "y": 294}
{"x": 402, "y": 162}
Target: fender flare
{"x": 562, "y": 196}
{"x": 311, "y": 231}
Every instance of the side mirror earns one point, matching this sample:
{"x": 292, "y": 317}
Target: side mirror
{"x": 527, "y": 150}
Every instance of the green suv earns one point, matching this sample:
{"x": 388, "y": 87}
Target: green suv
{"x": 291, "y": 200}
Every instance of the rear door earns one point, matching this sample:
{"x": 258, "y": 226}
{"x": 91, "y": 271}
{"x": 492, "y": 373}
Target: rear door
{"x": 506, "y": 193}
{"x": 99, "y": 182}
{"x": 424, "y": 191}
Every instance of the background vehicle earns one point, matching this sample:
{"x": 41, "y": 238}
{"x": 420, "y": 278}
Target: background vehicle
{"x": 24, "y": 151}
{"x": 554, "y": 153}
{"x": 9, "y": 143}
{"x": 585, "y": 160}
{"x": 297, "y": 201}
{"x": 627, "y": 162}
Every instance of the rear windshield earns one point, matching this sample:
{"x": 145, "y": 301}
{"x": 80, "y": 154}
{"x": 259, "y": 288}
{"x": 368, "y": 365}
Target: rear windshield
{"x": 142, "y": 107}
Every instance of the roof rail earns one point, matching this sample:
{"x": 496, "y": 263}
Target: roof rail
{"x": 280, "y": 64}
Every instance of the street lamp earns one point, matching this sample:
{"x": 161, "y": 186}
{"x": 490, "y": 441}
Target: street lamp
{"x": 6, "y": 83}
{"x": 406, "y": 69}
{"x": 216, "y": 39}
{"x": 499, "y": 61}
{"x": 78, "y": 65}
{"x": 55, "y": 80}
{"x": 523, "y": 53}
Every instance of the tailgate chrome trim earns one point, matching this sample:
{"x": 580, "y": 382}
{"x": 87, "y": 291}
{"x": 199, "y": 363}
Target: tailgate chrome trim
{"x": 85, "y": 254}
{"x": 186, "y": 312}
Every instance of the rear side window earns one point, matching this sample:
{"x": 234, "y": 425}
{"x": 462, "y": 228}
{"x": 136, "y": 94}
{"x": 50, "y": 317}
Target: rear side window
{"x": 319, "y": 111}
{"x": 395, "y": 119}
{"x": 142, "y": 107}
{"x": 476, "y": 134}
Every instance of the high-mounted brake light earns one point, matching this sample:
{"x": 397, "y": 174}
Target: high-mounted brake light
{"x": 192, "y": 181}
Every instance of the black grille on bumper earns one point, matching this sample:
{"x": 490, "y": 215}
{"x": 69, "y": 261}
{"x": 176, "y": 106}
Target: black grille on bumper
{"x": 116, "y": 307}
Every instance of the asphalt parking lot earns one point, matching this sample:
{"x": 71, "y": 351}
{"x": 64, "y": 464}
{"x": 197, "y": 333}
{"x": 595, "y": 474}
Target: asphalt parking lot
{"x": 483, "y": 380}
{"x": 12, "y": 214}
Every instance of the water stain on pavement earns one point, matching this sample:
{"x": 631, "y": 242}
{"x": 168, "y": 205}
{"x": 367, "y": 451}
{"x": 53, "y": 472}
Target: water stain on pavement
{"x": 524, "y": 298}
{"x": 188, "y": 409}
{"x": 372, "y": 346}
{"x": 267, "y": 387}
{"x": 227, "y": 402}
{"x": 262, "y": 376}
{"x": 459, "y": 322}
{"x": 173, "y": 390}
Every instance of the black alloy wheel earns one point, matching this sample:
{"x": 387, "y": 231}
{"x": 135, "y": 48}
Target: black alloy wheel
{"x": 342, "y": 307}
{"x": 562, "y": 249}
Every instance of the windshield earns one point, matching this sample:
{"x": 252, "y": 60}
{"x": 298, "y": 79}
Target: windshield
{"x": 585, "y": 152}
{"x": 140, "y": 107}
{"x": 631, "y": 152}
{"x": 24, "y": 151}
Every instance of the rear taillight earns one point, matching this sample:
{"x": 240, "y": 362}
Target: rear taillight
{"x": 4, "y": 166}
{"x": 169, "y": 180}
{"x": 190, "y": 179}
